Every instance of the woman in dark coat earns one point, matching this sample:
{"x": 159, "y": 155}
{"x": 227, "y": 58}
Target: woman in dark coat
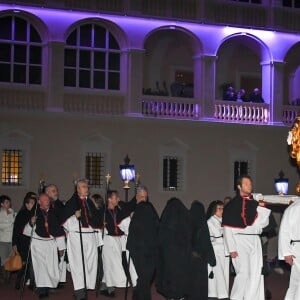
{"x": 202, "y": 254}
{"x": 21, "y": 242}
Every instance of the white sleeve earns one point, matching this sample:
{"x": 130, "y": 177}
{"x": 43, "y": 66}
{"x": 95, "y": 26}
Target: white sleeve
{"x": 27, "y": 230}
{"x": 229, "y": 239}
{"x": 61, "y": 242}
{"x": 263, "y": 217}
{"x": 124, "y": 225}
{"x": 71, "y": 224}
{"x": 284, "y": 237}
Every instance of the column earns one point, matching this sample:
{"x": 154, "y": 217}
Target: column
{"x": 54, "y": 74}
{"x": 133, "y": 83}
{"x": 272, "y": 88}
{"x": 208, "y": 83}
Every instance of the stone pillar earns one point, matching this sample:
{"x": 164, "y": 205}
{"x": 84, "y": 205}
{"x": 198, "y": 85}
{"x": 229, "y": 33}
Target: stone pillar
{"x": 54, "y": 75}
{"x": 208, "y": 83}
{"x": 272, "y": 88}
{"x": 133, "y": 80}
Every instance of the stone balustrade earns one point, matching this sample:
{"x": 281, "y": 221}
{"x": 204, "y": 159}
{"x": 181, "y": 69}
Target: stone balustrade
{"x": 170, "y": 107}
{"x": 22, "y": 99}
{"x": 102, "y": 104}
{"x": 242, "y": 112}
{"x": 289, "y": 113}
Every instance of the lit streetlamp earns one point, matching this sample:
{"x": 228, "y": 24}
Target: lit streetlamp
{"x": 281, "y": 184}
{"x": 127, "y": 173}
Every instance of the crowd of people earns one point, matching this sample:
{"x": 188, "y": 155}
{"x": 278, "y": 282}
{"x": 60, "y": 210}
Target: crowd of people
{"x": 107, "y": 244}
{"x": 241, "y": 96}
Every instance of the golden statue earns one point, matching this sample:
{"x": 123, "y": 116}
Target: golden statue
{"x": 293, "y": 141}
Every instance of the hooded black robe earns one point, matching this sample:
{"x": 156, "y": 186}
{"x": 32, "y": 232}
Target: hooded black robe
{"x": 142, "y": 243}
{"x": 174, "y": 237}
{"x": 202, "y": 253}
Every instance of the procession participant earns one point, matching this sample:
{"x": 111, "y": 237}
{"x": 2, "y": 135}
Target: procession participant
{"x": 218, "y": 286}
{"x": 243, "y": 221}
{"x": 20, "y": 241}
{"x": 114, "y": 256}
{"x": 202, "y": 254}
{"x": 175, "y": 248}
{"x": 52, "y": 191}
{"x": 289, "y": 247}
{"x": 97, "y": 200}
{"x": 7, "y": 218}
{"x": 82, "y": 218}
{"x": 48, "y": 239}
{"x": 142, "y": 243}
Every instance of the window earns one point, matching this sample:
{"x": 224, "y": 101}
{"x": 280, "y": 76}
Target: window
{"x": 12, "y": 160}
{"x": 92, "y": 59}
{"x": 94, "y": 168}
{"x": 240, "y": 168}
{"x": 291, "y": 3}
{"x": 171, "y": 173}
{"x": 20, "y": 52}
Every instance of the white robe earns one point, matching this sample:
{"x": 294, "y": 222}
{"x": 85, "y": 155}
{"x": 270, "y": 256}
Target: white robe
{"x": 218, "y": 286}
{"x": 114, "y": 275}
{"x": 290, "y": 230}
{"x": 90, "y": 253}
{"x": 248, "y": 282}
{"x": 44, "y": 258}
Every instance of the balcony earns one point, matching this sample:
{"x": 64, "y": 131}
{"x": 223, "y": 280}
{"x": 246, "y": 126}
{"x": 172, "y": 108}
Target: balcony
{"x": 289, "y": 113}
{"x": 241, "y": 112}
{"x": 170, "y": 107}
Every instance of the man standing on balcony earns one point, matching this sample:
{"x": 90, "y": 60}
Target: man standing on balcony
{"x": 243, "y": 221}
{"x": 256, "y": 96}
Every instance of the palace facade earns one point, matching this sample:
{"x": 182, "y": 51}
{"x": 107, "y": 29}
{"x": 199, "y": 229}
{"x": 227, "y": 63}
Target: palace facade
{"x": 84, "y": 83}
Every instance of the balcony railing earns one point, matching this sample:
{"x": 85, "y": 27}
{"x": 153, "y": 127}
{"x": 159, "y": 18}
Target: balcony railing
{"x": 104, "y": 104}
{"x": 289, "y": 113}
{"x": 170, "y": 107}
{"x": 22, "y": 99}
{"x": 241, "y": 112}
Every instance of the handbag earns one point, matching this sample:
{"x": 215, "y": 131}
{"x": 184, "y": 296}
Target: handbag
{"x": 13, "y": 262}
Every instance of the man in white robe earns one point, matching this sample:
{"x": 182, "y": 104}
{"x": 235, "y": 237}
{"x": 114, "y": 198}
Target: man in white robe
{"x": 48, "y": 238}
{"x": 82, "y": 222}
{"x": 115, "y": 266}
{"x": 52, "y": 191}
{"x": 218, "y": 286}
{"x": 243, "y": 221}
{"x": 289, "y": 247}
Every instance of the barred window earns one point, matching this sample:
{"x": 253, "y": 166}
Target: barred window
{"x": 92, "y": 59}
{"x": 94, "y": 168}
{"x": 291, "y": 3}
{"x": 12, "y": 161}
{"x": 240, "y": 168}
{"x": 20, "y": 51}
{"x": 171, "y": 173}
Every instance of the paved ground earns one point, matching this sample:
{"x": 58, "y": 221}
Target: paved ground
{"x": 276, "y": 283}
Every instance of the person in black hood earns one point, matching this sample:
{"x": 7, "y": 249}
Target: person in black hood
{"x": 174, "y": 237}
{"x": 20, "y": 241}
{"x": 202, "y": 254}
{"x": 142, "y": 243}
